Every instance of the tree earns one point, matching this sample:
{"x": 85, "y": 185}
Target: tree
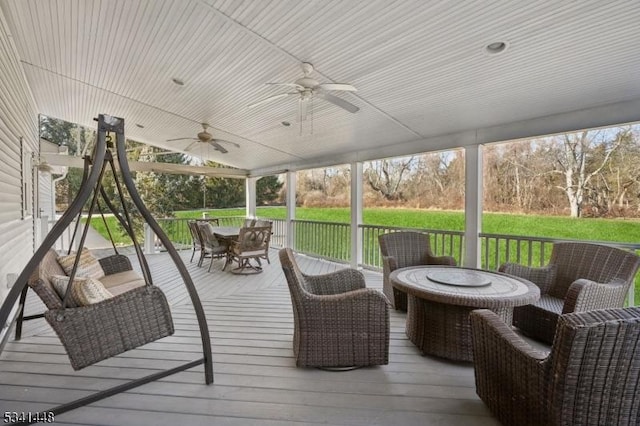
{"x": 77, "y": 139}
{"x": 386, "y": 176}
{"x": 267, "y": 189}
{"x": 578, "y": 163}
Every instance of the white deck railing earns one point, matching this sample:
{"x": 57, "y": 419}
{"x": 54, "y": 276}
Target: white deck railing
{"x": 332, "y": 241}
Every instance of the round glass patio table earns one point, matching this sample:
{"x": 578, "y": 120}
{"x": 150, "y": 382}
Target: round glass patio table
{"x": 440, "y": 299}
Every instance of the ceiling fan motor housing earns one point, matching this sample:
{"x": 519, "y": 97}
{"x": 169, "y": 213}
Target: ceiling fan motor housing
{"x": 308, "y": 82}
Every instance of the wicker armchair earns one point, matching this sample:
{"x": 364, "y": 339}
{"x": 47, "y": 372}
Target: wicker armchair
{"x": 402, "y": 249}
{"x": 337, "y": 321}
{"x": 590, "y": 377}
{"x": 580, "y": 277}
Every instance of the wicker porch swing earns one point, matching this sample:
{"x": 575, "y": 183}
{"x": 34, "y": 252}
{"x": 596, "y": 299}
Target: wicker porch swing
{"x": 101, "y": 330}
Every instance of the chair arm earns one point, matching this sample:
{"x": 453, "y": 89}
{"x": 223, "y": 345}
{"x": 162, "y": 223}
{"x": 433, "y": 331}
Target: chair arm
{"x": 542, "y": 277}
{"x": 510, "y": 373}
{"x": 586, "y": 295}
{"x": 115, "y": 263}
{"x": 441, "y": 260}
{"x": 389, "y": 264}
{"x": 337, "y": 282}
{"x": 492, "y": 337}
{"x": 360, "y": 310}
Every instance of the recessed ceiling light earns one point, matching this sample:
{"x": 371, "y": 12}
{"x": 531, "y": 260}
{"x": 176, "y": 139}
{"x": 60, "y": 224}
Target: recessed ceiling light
{"x": 140, "y": 126}
{"x": 178, "y": 81}
{"x": 286, "y": 124}
{"x": 496, "y": 47}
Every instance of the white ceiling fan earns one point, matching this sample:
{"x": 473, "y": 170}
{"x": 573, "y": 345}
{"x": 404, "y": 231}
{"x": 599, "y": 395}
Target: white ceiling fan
{"x": 306, "y": 88}
{"x": 205, "y": 137}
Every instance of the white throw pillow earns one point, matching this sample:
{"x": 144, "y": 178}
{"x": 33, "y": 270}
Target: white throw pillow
{"x": 85, "y": 290}
{"x": 88, "y": 266}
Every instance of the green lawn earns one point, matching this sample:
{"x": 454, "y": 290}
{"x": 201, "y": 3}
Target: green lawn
{"x": 494, "y": 223}
{"x": 617, "y": 230}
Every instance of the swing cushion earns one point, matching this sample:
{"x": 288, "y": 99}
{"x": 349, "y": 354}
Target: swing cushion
{"x": 117, "y": 266}
{"x": 85, "y": 290}
{"x": 122, "y": 282}
{"x": 88, "y": 266}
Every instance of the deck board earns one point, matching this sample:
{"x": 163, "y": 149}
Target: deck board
{"x": 256, "y": 381}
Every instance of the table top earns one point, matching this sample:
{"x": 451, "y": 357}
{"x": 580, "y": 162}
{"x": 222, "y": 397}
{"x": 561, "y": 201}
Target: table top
{"x": 467, "y": 286}
{"x": 226, "y": 231}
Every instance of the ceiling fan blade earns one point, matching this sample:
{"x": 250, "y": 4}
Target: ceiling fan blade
{"x": 195, "y": 142}
{"x": 158, "y": 154}
{"x": 297, "y": 86}
{"x": 223, "y": 141}
{"x": 271, "y": 98}
{"x": 340, "y": 102}
{"x": 218, "y": 147}
{"x": 180, "y": 139}
{"x": 338, "y": 86}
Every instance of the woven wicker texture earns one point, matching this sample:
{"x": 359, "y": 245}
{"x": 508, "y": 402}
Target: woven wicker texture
{"x": 402, "y": 249}
{"x": 583, "y": 276}
{"x": 438, "y": 314}
{"x": 590, "y": 377}
{"x": 99, "y": 331}
{"x": 337, "y": 321}
{"x": 115, "y": 263}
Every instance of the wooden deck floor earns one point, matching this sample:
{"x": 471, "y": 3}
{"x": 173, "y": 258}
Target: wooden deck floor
{"x": 256, "y": 381}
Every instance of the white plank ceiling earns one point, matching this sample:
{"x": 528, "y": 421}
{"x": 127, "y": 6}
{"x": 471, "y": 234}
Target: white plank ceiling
{"x": 420, "y": 67}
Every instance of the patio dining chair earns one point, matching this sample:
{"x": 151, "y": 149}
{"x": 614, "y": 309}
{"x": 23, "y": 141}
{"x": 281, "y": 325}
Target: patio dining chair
{"x": 252, "y": 244}
{"x": 337, "y": 321}
{"x": 403, "y": 249}
{"x": 211, "y": 246}
{"x": 591, "y": 376}
{"x": 579, "y": 277}
{"x": 196, "y": 241}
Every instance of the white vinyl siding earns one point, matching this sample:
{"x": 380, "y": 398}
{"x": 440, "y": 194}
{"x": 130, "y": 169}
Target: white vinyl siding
{"x": 18, "y": 120}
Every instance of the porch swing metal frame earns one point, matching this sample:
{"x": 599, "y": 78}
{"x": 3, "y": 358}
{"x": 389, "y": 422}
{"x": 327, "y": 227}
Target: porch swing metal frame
{"x": 92, "y": 183}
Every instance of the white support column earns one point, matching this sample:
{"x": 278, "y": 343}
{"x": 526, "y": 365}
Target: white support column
{"x": 291, "y": 208}
{"x": 149, "y": 246}
{"x": 250, "y": 192}
{"x": 356, "y": 214}
{"x": 473, "y": 205}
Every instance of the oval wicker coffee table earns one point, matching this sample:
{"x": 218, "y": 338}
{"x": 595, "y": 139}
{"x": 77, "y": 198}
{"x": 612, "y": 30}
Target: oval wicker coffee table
{"x": 440, "y": 299}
